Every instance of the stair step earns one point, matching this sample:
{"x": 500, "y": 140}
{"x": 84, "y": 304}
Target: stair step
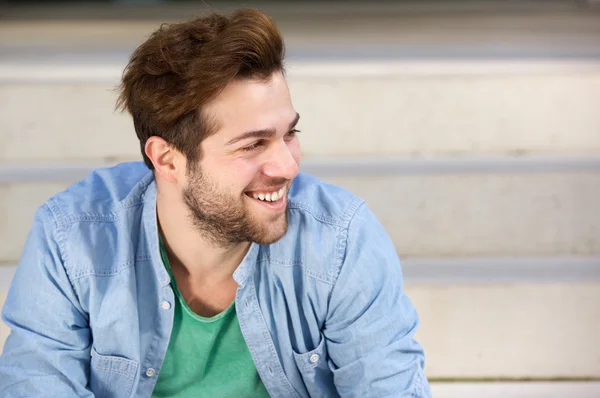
{"x": 462, "y": 215}
{"x": 497, "y": 330}
{"x": 390, "y": 116}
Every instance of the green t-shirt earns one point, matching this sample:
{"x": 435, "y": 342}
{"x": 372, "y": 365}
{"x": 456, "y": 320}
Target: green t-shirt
{"x": 206, "y": 357}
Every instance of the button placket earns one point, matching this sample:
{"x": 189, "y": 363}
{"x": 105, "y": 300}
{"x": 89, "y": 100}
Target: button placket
{"x": 254, "y": 329}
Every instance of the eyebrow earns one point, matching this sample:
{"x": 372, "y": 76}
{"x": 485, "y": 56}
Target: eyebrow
{"x": 264, "y": 133}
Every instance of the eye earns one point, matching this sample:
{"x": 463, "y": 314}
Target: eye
{"x": 254, "y": 146}
{"x": 292, "y": 133}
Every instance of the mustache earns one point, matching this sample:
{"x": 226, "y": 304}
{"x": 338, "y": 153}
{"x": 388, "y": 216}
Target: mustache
{"x": 276, "y": 182}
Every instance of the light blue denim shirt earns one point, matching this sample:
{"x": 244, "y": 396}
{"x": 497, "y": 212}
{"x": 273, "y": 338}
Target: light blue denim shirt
{"x": 322, "y": 310}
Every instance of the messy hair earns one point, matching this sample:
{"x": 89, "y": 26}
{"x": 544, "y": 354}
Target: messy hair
{"x": 183, "y": 66}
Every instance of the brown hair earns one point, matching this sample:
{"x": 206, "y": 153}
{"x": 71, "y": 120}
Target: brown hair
{"x": 182, "y": 66}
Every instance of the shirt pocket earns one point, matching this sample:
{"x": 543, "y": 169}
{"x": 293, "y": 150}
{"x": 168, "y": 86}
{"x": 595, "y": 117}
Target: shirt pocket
{"x": 315, "y": 371}
{"x": 112, "y": 376}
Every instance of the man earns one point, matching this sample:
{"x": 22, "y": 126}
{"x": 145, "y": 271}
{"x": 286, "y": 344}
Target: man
{"x": 214, "y": 269}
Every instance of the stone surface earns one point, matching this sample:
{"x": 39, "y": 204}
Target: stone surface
{"x": 504, "y": 331}
{"x": 464, "y": 215}
{"x": 341, "y": 117}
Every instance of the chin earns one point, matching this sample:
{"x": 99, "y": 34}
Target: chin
{"x": 271, "y": 233}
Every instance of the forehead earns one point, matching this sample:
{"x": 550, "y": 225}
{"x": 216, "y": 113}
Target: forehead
{"x": 252, "y": 104}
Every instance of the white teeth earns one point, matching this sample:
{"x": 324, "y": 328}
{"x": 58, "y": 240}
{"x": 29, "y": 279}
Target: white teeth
{"x": 270, "y": 197}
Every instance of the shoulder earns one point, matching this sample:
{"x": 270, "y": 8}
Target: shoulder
{"x": 324, "y": 202}
{"x": 334, "y": 234}
{"x": 96, "y": 222}
{"x": 319, "y": 217}
{"x": 102, "y": 194}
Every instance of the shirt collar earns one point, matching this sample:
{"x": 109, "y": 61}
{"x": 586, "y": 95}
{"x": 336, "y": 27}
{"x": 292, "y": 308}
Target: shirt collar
{"x": 150, "y": 232}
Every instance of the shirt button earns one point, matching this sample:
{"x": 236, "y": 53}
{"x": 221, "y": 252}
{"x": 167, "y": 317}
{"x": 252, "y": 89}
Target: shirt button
{"x": 165, "y": 305}
{"x": 314, "y": 358}
{"x": 150, "y": 372}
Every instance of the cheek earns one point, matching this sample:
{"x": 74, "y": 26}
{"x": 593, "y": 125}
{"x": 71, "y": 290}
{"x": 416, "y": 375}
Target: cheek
{"x": 245, "y": 172}
{"x": 295, "y": 150}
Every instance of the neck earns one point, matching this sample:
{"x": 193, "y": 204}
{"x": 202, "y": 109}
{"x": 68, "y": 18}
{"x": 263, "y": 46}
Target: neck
{"x": 188, "y": 248}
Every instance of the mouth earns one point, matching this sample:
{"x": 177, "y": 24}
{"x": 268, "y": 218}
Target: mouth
{"x": 272, "y": 199}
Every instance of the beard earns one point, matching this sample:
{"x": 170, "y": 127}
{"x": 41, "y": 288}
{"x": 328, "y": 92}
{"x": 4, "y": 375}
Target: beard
{"x": 225, "y": 219}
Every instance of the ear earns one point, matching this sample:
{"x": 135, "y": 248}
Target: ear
{"x": 165, "y": 158}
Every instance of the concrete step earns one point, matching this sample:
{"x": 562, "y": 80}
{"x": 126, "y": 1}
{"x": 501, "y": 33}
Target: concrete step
{"x": 509, "y": 330}
{"x": 525, "y": 214}
{"x": 496, "y": 330}
{"x": 401, "y": 29}
{"x": 516, "y": 390}
{"x": 463, "y": 215}
{"x": 357, "y": 114}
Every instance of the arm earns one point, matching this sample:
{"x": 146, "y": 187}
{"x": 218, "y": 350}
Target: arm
{"x": 48, "y": 350}
{"x": 371, "y": 322}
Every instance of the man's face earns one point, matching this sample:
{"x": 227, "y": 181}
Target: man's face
{"x": 237, "y": 192}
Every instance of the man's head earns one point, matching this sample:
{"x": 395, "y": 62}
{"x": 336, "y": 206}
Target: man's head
{"x": 215, "y": 121}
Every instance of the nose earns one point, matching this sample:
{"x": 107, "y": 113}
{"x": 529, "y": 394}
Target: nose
{"x": 282, "y": 163}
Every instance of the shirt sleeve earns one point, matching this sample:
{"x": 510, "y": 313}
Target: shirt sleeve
{"x": 47, "y": 352}
{"x": 371, "y": 322}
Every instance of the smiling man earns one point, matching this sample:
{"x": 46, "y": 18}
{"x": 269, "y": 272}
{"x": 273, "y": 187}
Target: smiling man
{"x": 213, "y": 268}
